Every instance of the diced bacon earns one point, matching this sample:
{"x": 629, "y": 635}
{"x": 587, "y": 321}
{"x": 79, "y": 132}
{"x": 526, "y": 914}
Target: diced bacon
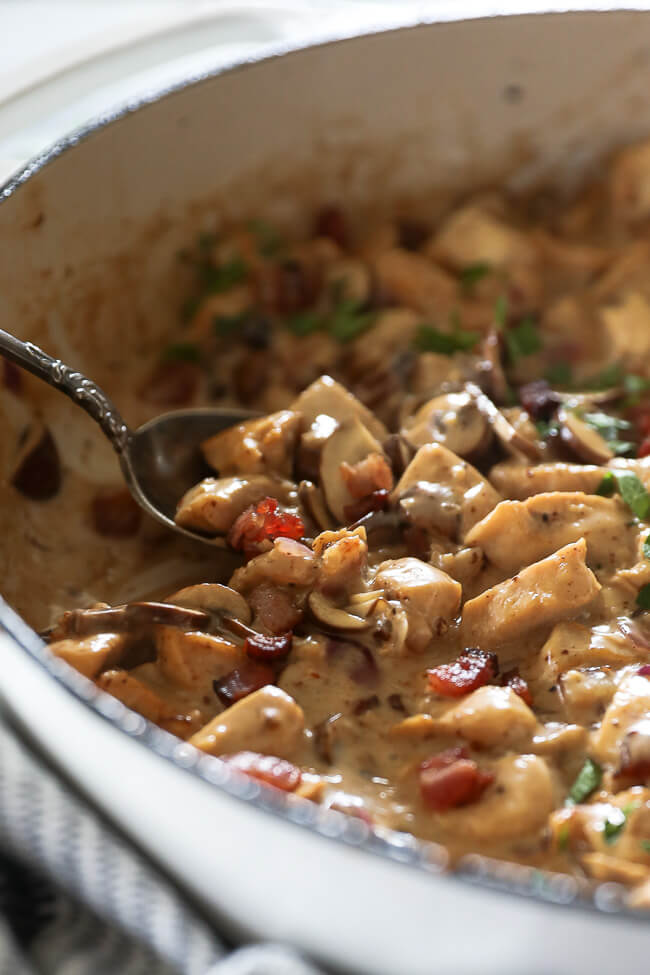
{"x": 266, "y": 768}
{"x": 330, "y": 222}
{"x": 644, "y": 448}
{"x": 115, "y": 514}
{"x": 371, "y": 474}
{"x": 513, "y": 679}
{"x": 242, "y": 681}
{"x": 262, "y": 647}
{"x": 644, "y": 671}
{"x": 452, "y": 779}
{"x": 471, "y": 670}
{"x": 262, "y": 523}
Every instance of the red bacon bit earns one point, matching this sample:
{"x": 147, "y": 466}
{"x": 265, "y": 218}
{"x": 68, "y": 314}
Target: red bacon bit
{"x": 12, "y": 377}
{"x": 263, "y": 647}
{"x": 330, "y": 222}
{"x": 644, "y": 448}
{"x": 38, "y": 477}
{"x": 171, "y": 384}
{"x": 471, "y": 670}
{"x": 644, "y": 671}
{"x": 371, "y": 474}
{"x": 115, "y": 514}
{"x": 377, "y": 501}
{"x": 267, "y": 769}
{"x": 452, "y": 779}
{"x": 242, "y": 681}
{"x": 513, "y": 679}
{"x": 263, "y": 522}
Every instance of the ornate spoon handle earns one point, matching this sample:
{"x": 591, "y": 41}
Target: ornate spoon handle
{"x": 81, "y": 390}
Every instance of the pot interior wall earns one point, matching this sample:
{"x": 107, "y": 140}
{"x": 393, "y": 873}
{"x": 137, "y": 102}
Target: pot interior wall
{"x": 88, "y": 244}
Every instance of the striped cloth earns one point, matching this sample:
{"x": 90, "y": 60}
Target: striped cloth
{"x": 77, "y": 899}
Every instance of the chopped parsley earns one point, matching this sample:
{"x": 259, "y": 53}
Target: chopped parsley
{"x": 500, "y": 312}
{"x": 609, "y": 427}
{"x": 645, "y": 846}
{"x": 616, "y": 821}
{"x": 633, "y": 493}
{"x": 304, "y": 323}
{"x": 430, "y": 339}
{"x": 190, "y": 307}
{"x": 547, "y": 428}
{"x": 182, "y": 352}
{"x": 226, "y": 325}
{"x": 559, "y": 374}
{"x": 643, "y": 597}
{"x": 635, "y": 386}
{"x": 472, "y": 274}
{"x": 607, "y": 486}
{"x": 609, "y": 377}
{"x": 646, "y": 547}
{"x": 523, "y": 339}
{"x": 347, "y": 320}
{"x": 269, "y": 241}
{"x": 218, "y": 279}
{"x": 587, "y": 781}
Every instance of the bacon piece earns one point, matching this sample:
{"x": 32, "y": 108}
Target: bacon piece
{"x": 451, "y": 779}
{"x": 644, "y": 671}
{"x": 242, "y": 681}
{"x": 371, "y": 474}
{"x": 38, "y": 476}
{"x": 472, "y": 669}
{"x": 330, "y": 222}
{"x": 644, "y": 448}
{"x": 377, "y": 501}
{"x": 512, "y": 678}
{"x": 263, "y": 522}
{"x": 171, "y": 384}
{"x": 274, "y": 608}
{"x": 115, "y": 514}
{"x": 538, "y": 399}
{"x": 262, "y": 647}
{"x": 267, "y": 769}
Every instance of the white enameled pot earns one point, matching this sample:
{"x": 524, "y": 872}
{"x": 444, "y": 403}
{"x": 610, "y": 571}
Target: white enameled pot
{"x": 86, "y": 233}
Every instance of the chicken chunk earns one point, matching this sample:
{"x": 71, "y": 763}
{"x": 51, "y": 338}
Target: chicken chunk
{"x": 430, "y": 597}
{"x": 342, "y": 559}
{"x": 288, "y": 563}
{"x": 214, "y": 504}
{"x": 464, "y": 487}
{"x": 517, "y": 481}
{"x": 260, "y": 446}
{"x": 137, "y": 696}
{"x": 629, "y": 705}
{"x": 572, "y": 645}
{"x": 268, "y": 721}
{"x": 542, "y": 594}
{"x": 327, "y": 397}
{"x": 629, "y": 183}
{"x": 193, "y": 659}
{"x": 517, "y": 533}
{"x": 490, "y": 717}
{"x": 93, "y": 653}
{"x": 472, "y": 236}
{"x": 416, "y": 282}
{"x": 628, "y": 329}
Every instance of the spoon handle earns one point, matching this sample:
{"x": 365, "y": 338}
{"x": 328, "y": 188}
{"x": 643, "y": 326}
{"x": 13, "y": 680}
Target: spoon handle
{"x": 81, "y": 390}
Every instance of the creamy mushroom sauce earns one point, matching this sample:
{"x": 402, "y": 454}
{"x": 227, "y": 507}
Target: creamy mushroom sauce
{"x": 439, "y": 621}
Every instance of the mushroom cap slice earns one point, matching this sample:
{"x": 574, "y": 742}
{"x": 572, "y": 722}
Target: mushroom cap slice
{"x": 131, "y": 616}
{"x": 454, "y": 420}
{"x": 331, "y": 616}
{"x": 512, "y": 439}
{"x": 586, "y": 443}
{"x": 212, "y": 597}
{"x": 351, "y": 443}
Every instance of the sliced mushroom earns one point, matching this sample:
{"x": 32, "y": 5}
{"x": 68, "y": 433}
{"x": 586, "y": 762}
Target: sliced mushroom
{"x": 350, "y": 443}
{"x": 37, "y": 468}
{"x": 311, "y": 444}
{"x": 511, "y": 438}
{"x": 453, "y": 420}
{"x": 491, "y": 375}
{"x": 331, "y": 616}
{"x": 313, "y": 502}
{"x": 364, "y": 603}
{"x": 219, "y": 601}
{"x": 399, "y": 451}
{"x": 587, "y": 444}
{"x": 131, "y": 616}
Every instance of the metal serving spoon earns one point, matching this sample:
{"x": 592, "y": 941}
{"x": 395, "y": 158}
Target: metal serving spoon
{"x": 161, "y": 459}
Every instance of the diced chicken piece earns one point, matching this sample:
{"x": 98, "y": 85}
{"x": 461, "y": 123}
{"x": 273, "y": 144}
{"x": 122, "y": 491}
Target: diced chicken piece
{"x": 342, "y": 559}
{"x": 268, "y": 721}
{"x": 517, "y": 803}
{"x": 586, "y": 694}
{"x": 91, "y": 654}
{"x": 542, "y": 594}
{"x": 520, "y": 482}
{"x": 137, "y": 696}
{"x": 572, "y": 645}
{"x": 350, "y": 444}
{"x": 629, "y": 705}
{"x": 430, "y": 597}
{"x": 607, "y": 868}
{"x": 490, "y": 716}
{"x": 618, "y": 827}
{"x": 288, "y": 563}
{"x": 629, "y": 183}
{"x": 256, "y": 446}
{"x": 214, "y": 504}
{"x": 517, "y": 533}
{"x": 327, "y": 397}
{"x": 415, "y": 281}
{"x": 470, "y": 235}
{"x": 555, "y": 738}
{"x": 628, "y": 329}
{"x": 193, "y": 659}
{"x": 468, "y": 490}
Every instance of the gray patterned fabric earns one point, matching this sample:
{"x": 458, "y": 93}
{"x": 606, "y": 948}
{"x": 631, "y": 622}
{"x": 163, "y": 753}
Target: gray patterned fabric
{"x": 76, "y": 899}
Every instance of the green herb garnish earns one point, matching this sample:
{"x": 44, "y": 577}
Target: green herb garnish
{"x": 633, "y": 493}
{"x": 227, "y": 325}
{"x": 304, "y": 323}
{"x": 563, "y": 837}
{"x": 269, "y": 241}
{"x": 645, "y": 846}
{"x": 430, "y": 339}
{"x": 523, "y": 339}
{"x": 613, "y": 825}
{"x": 500, "y": 312}
{"x": 610, "y": 376}
{"x": 643, "y": 597}
{"x": 646, "y": 547}
{"x": 472, "y": 274}
{"x": 347, "y": 321}
{"x": 547, "y": 428}
{"x": 635, "y": 386}
{"x": 607, "y": 486}
{"x": 218, "y": 279}
{"x": 587, "y": 781}
{"x": 182, "y": 352}
{"x": 609, "y": 428}
{"x": 559, "y": 374}
{"x": 190, "y": 307}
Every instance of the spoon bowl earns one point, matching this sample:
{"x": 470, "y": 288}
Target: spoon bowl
{"x": 161, "y": 460}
